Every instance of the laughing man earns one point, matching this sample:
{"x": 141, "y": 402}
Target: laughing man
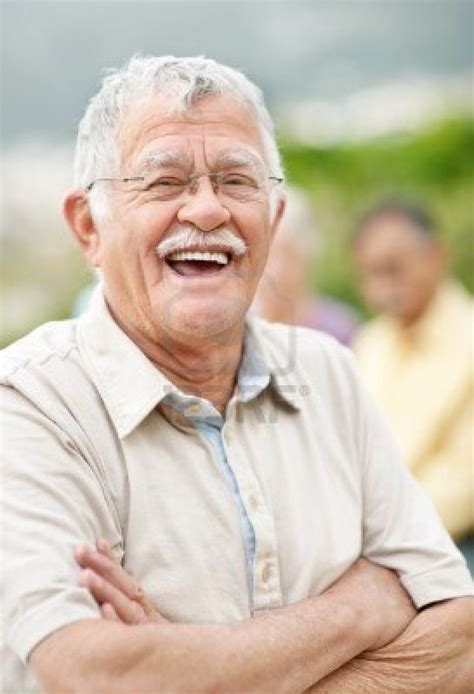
{"x": 235, "y": 468}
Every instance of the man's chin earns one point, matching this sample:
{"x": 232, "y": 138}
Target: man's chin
{"x": 199, "y": 321}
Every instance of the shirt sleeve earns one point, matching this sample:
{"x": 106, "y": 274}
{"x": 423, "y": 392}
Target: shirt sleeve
{"x": 52, "y": 501}
{"x": 401, "y": 529}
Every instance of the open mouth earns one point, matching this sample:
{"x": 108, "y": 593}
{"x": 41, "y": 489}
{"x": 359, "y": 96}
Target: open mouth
{"x": 198, "y": 263}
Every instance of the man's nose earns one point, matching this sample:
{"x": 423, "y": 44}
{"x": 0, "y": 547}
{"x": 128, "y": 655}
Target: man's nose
{"x": 203, "y": 208}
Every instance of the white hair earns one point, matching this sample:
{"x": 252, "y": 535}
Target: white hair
{"x": 186, "y": 80}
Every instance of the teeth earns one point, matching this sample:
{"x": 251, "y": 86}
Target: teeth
{"x": 220, "y": 258}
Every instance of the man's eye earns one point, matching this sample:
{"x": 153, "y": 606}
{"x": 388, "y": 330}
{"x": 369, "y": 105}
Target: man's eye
{"x": 237, "y": 180}
{"x": 166, "y": 183}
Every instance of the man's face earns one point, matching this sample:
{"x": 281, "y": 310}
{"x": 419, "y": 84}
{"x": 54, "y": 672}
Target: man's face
{"x": 398, "y": 269}
{"x": 153, "y": 294}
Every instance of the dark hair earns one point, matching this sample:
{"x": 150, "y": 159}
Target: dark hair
{"x": 419, "y": 217}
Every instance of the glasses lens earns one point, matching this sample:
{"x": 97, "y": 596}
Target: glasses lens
{"x": 163, "y": 187}
{"x": 238, "y": 187}
{"x": 234, "y": 186}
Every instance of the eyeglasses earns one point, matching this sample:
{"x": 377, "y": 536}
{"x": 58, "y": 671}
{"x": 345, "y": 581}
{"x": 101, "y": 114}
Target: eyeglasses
{"x": 235, "y": 186}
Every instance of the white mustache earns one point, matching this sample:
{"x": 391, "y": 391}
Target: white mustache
{"x": 181, "y": 238}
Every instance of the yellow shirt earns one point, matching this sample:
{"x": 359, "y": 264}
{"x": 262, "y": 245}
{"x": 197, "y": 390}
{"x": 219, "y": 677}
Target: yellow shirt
{"x": 422, "y": 378}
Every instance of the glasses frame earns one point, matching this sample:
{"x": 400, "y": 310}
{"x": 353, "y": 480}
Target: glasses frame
{"x": 190, "y": 185}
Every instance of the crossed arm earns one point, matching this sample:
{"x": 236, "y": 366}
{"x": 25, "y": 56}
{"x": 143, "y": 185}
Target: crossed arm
{"x": 434, "y": 655}
{"x": 330, "y": 644}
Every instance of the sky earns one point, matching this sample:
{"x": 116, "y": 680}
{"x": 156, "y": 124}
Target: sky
{"x": 54, "y": 53}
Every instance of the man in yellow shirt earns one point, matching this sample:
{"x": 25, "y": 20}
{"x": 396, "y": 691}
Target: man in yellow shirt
{"x": 416, "y": 356}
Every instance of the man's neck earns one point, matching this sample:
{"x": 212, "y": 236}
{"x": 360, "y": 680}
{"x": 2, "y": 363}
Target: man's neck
{"x": 208, "y": 372}
{"x": 418, "y": 318}
{"x": 205, "y": 367}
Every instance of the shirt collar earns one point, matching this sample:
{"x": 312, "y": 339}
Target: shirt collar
{"x": 278, "y": 357}
{"x": 132, "y": 386}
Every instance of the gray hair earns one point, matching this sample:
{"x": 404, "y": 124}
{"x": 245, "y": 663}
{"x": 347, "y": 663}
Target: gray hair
{"x": 187, "y": 80}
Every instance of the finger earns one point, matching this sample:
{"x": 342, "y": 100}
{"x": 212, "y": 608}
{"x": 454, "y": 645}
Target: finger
{"x": 104, "y": 547}
{"x": 110, "y": 570}
{"x": 88, "y": 557}
{"x": 104, "y": 592}
{"x": 109, "y": 613}
{"x": 81, "y": 552}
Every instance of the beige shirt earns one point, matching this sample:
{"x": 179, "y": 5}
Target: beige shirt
{"x": 90, "y": 449}
{"x": 422, "y": 377}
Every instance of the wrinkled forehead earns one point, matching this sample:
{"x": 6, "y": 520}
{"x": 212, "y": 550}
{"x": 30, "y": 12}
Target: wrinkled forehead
{"x": 182, "y": 157}
{"x": 220, "y": 129}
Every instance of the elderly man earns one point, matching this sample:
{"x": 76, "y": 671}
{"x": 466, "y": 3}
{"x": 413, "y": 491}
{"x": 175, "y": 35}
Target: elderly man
{"x": 416, "y": 356}
{"x": 236, "y": 469}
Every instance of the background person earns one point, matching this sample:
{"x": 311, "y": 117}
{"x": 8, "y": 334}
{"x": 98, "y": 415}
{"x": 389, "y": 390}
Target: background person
{"x": 416, "y": 356}
{"x": 285, "y": 293}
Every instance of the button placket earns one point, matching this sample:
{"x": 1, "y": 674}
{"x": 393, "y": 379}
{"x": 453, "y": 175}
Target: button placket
{"x": 267, "y": 589}
{"x": 266, "y": 594}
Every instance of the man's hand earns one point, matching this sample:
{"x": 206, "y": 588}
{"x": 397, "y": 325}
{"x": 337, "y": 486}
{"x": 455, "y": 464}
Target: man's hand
{"x": 284, "y": 651}
{"x": 116, "y": 592}
{"x": 386, "y": 609}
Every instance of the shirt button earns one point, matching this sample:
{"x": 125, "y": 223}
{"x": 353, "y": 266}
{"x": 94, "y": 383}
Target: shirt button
{"x": 193, "y": 410}
{"x": 253, "y": 502}
{"x": 266, "y": 571}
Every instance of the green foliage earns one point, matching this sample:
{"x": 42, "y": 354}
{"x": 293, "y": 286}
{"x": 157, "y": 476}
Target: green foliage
{"x": 432, "y": 166}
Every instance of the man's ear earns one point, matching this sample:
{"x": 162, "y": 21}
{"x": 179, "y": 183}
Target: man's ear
{"x": 277, "y": 215}
{"x": 77, "y": 212}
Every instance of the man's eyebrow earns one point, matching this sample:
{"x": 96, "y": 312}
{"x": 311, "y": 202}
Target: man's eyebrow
{"x": 239, "y": 158}
{"x": 163, "y": 157}
{"x": 173, "y": 157}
